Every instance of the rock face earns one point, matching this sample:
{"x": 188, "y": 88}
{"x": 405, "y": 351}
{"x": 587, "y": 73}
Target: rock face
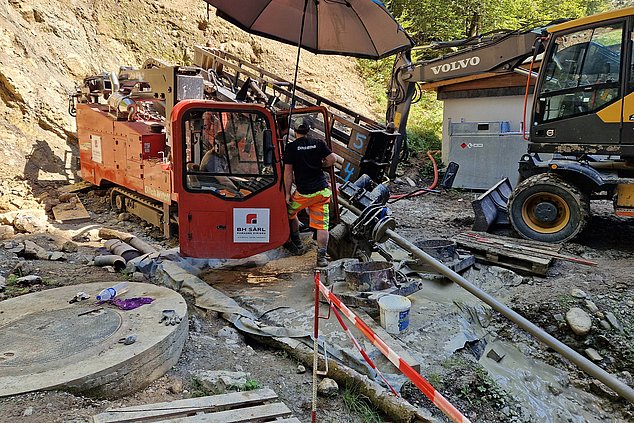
{"x": 579, "y": 321}
{"x": 47, "y": 47}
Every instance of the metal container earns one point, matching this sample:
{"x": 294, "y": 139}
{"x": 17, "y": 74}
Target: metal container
{"x": 441, "y": 249}
{"x": 370, "y": 276}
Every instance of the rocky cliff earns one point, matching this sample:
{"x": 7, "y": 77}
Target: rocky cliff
{"x": 48, "y": 46}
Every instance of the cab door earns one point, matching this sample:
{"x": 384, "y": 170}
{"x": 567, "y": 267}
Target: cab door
{"x": 227, "y": 174}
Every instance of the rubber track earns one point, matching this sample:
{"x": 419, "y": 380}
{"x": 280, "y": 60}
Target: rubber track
{"x": 553, "y": 179}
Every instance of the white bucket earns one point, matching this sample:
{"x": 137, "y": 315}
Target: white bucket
{"x": 394, "y": 313}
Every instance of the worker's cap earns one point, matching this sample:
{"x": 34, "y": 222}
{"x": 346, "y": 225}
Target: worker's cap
{"x": 302, "y": 129}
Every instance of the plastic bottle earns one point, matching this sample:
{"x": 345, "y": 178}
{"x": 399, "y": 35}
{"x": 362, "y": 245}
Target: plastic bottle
{"x": 110, "y": 293}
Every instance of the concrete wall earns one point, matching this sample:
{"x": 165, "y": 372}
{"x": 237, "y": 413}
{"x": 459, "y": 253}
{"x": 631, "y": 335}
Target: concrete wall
{"x": 482, "y": 109}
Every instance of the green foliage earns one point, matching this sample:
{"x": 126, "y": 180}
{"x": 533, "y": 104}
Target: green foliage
{"x": 435, "y": 379}
{"x": 359, "y": 404}
{"x": 198, "y": 388}
{"x": 251, "y": 385}
{"x": 567, "y": 301}
{"x": 438, "y": 20}
{"x": 12, "y": 279}
{"x": 425, "y": 117}
{"x": 481, "y": 389}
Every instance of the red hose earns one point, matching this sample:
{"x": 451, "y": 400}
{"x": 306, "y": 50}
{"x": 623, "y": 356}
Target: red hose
{"x": 425, "y": 190}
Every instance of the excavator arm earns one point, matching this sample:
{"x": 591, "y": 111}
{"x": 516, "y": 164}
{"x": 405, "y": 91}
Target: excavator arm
{"x": 500, "y": 52}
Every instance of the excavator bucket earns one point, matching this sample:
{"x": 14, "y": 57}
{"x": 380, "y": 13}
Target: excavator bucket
{"x": 490, "y": 208}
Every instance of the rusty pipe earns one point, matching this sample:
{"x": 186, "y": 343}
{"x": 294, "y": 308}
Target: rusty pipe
{"x": 622, "y": 389}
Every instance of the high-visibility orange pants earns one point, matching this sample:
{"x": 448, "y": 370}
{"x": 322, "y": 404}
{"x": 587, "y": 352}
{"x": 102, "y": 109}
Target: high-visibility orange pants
{"x": 318, "y": 205}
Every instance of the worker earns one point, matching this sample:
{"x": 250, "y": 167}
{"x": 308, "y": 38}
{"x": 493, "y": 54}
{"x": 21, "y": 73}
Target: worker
{"x": 304, "y": 160}
{"x": 215, "y": 161}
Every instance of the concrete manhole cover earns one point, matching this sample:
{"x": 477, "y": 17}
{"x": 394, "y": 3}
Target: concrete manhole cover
{"x": 45, "y": 337}
{"x": 47, "y": 343}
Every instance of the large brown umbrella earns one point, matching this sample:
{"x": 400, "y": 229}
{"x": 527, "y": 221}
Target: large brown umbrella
{"x": 359, "y": 28}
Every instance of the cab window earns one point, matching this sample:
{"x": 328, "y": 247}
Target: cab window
{"x": 581, "y": 73}
{"x": 227, "y": 153}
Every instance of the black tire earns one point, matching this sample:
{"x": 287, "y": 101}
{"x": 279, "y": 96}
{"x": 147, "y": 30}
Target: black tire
{"x": 547, "y": 208}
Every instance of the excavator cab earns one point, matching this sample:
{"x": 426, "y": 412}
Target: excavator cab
{"x": 583, "y": 112}
{"x": 582, "y": 82}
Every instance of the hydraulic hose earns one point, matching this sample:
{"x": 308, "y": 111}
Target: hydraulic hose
{"x": 394, "y": 198}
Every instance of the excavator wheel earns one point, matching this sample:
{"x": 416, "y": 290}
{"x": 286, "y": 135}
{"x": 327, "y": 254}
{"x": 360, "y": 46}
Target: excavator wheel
{"x": 547, "y": 208}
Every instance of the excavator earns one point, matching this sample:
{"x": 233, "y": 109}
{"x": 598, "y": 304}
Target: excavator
{"x": 581, "y": 131}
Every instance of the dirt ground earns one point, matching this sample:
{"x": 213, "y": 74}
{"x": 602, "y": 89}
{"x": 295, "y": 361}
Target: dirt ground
{"x": 214, "y": 345}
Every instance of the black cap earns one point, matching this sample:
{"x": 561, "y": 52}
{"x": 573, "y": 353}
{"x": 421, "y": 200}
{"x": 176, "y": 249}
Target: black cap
{"x": 302, "y": 129}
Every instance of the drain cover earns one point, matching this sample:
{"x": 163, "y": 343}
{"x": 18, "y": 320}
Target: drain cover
{"x": 45, "y": 337}
{"x": 47, "y": 343}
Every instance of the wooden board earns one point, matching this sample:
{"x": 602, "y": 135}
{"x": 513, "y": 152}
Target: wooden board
{"x": 71, "y": 212}
{"x": 230, "y": 407}
{"x": 516, "y": 254}
{"x": 76, "y": 187}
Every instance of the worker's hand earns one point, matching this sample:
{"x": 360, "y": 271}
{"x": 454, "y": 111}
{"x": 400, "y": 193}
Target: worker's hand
{"x": 289, "y": 199}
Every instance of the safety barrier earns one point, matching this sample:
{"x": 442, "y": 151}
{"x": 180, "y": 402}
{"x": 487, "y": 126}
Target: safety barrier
{"x": 425, "y": 387}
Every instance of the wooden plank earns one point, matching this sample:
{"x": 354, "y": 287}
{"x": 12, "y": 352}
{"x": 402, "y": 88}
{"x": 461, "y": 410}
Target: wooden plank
{"x": 150, "y": 412}
{"x": 291, "y": 420}
{"x": 510, "y": 252}
{"x": 71, "y": 212}
{"x": 387, "y": 338}
{"x": 546, "y": 246}
{"x": 257, "y": 413}
{"x": 76, "y": 187}
{"x": 539, "y": 267}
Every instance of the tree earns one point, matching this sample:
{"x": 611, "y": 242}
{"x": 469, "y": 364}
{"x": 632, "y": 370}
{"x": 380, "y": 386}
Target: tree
{"x": 441, "y": 20}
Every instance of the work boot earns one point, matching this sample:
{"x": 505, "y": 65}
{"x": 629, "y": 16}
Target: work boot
{"x": 322, "y": 258}
{"x": 295, "y": 247}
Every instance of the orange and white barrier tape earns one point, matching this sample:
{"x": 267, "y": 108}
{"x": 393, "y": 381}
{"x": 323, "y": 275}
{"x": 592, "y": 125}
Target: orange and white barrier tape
{"x": 420, "y": 382}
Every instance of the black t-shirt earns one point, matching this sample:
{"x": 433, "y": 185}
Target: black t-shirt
{"x": 306, "y": 154}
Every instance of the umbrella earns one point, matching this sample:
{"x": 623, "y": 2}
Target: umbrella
{"x": 358, "y": 28}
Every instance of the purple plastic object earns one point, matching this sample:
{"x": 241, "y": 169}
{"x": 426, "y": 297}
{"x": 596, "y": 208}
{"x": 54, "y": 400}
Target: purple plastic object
{"x": 130, "y": 303}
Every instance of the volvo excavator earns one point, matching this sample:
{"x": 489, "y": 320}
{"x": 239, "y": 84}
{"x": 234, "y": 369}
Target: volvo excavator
{"x": 581, "y": 128}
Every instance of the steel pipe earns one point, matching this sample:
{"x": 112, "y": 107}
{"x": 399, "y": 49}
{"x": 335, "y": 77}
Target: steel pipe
{"x": 622, "y": 389}
{"x": 580, "y": 361}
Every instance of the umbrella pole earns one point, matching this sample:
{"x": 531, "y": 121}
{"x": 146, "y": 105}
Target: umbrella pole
{"x": 299, "y": 50}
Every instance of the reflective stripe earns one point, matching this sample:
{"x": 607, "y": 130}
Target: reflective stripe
{"x": 318, "y": 207}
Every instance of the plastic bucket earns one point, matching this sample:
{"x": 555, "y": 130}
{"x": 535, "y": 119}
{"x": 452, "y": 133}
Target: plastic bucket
{"x": 394, "y": 313}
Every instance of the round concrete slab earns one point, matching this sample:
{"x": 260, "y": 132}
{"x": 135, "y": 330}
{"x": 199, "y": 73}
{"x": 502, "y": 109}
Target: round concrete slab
{"x": 47, "y": 343}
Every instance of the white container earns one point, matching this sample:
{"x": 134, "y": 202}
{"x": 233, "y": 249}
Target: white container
{"x": 394, "y": 313}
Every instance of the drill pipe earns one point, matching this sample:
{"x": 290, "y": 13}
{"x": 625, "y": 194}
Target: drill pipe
{"x": 622, "y": 389}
